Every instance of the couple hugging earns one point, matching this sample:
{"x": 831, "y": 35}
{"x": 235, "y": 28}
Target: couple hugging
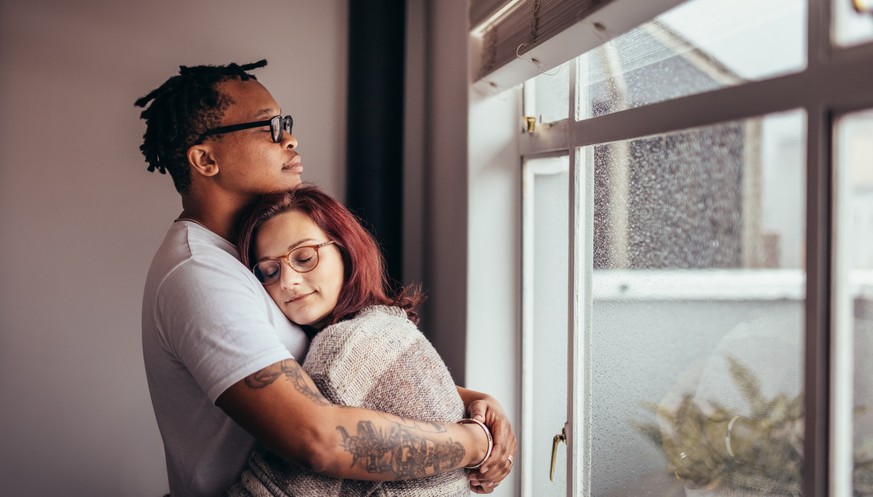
{"x": 246, "y": 405}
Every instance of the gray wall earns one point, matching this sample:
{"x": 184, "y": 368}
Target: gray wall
{"x": 444, "y": 175}
{"x": 80, "y": 217}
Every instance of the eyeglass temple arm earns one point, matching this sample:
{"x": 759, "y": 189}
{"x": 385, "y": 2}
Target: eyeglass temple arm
{"x": 235, "y": 127}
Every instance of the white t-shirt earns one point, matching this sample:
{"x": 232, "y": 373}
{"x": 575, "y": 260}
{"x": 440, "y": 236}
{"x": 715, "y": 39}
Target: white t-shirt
{"x": 207, "y": 323}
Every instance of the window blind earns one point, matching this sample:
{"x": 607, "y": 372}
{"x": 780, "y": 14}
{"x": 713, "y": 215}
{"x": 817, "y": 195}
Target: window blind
{"x": 522, "y": 26}
{"x": 513, "y": 40}
{"x": 482, "y": 10}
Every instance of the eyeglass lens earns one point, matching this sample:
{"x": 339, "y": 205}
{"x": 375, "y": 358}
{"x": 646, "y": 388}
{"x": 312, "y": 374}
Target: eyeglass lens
{"x": 302, "y": 260}
{"x": 278, "y": 124}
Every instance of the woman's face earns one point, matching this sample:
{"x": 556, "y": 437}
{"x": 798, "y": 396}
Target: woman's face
{"x": 305, "y": 298}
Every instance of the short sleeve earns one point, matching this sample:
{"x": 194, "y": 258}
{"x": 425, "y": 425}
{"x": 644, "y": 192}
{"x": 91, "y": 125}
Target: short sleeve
{"x": 216, "y": 323}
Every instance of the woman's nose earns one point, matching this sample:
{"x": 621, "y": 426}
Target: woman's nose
{"x": 289, "y": 277}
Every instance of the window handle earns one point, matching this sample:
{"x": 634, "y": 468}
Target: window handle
{"x": 530, "y": 123}
{"x": 561, "y": 437}
{"x": 863, "y": 6}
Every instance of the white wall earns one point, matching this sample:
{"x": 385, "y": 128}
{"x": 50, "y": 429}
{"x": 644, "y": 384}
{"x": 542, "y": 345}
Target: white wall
{"x": 80, "y": 217}
{"x": 493, "y": 363}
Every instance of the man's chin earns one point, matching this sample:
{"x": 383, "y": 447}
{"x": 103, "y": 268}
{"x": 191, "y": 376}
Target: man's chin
{"x": 296, "y": 180}
{"x": 290, "y": 181}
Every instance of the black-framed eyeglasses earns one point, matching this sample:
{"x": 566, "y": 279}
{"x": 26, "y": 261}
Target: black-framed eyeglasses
{"x": 277, "y": 125}
{"x": 301, "y": 259}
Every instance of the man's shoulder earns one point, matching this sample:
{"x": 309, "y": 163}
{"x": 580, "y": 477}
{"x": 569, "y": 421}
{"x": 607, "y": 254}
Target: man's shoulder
{"x": 186, "y": 241}
{"x": 193, "y": 251}
{"x": 200, "y": 301}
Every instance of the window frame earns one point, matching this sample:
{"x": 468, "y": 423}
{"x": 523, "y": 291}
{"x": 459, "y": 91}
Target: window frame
{"x": 833, "y": 83}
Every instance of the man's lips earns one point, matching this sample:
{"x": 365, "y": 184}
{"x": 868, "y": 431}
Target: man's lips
{"x": 293, "y": 165}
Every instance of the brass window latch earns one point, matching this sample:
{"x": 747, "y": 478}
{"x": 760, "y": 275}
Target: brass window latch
{"x": 863, "y": 6}
{"x": 561, "y": 437}
{"x": 530, "y": 123}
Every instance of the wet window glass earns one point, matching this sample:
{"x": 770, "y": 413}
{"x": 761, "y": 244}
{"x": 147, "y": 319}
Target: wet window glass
{"x": 700, "y": 45}
{"x": 695, "y": 353}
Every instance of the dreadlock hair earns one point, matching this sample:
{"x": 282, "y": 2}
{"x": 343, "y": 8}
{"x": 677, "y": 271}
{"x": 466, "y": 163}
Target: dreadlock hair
{"x": 181, "y": 109}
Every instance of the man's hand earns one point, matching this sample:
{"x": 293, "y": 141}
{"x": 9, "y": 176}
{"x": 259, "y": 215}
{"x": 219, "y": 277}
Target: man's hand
{"x": 488, "y": 410}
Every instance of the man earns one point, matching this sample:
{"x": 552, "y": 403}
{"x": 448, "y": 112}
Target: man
{"x": 219, "y": 354}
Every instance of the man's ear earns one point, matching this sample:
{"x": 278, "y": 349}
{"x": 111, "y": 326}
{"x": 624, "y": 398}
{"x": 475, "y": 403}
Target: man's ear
{"x": 201, "y": 160}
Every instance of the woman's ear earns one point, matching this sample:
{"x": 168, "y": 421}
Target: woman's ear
{"x": 201, "y": 160}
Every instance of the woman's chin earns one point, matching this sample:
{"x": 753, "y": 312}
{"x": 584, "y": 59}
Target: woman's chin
{"x": 317, "y": 323}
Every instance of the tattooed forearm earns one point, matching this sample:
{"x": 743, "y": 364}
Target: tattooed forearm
{"x": 291, "y": 370}
{"x": 414, "y": 424}
{"x": 401, "y": 451}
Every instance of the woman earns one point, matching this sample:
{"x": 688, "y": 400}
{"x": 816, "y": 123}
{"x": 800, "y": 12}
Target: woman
{"x": 326, "y": 273}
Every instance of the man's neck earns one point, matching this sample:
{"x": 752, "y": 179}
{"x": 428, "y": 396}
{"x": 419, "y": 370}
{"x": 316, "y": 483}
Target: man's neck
{"x": 221, "y": 216}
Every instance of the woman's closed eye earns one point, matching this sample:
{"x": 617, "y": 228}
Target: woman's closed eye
{"x": 271, "y": 271}
{"x": 267, "y": 271}
{"x": 303, "y": 260}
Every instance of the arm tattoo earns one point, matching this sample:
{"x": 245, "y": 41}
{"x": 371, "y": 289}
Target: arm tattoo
{"x": 401, "y": 452}
{"x": 294, "y": 373}
{"x": 414, "y": 424}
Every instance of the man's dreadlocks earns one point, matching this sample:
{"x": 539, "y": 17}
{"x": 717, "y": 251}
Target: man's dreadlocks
{"x": 181, "y": 109}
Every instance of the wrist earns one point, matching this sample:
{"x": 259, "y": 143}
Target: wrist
{"x": 483, "y": 443}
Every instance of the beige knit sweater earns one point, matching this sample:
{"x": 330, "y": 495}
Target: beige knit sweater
{"x": 381, "y": 361}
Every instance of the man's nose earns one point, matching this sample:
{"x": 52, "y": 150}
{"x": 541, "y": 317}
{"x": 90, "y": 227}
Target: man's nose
{"x": 289, "y": 141}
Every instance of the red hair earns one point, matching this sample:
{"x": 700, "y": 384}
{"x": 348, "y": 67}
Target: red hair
{"x": 366, "y": 281}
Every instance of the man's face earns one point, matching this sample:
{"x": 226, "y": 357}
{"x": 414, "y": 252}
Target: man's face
{"x": 249, "y": 162}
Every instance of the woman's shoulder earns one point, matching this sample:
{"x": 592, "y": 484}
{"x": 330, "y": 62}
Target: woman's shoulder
{"x": 378, "y": 321}
{"x": 382, "y": 311}
{"x": 381, "y": 315}
{"x": 376, "y": 331}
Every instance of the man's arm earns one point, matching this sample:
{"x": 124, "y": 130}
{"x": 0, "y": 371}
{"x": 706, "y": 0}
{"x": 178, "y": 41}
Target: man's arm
{"x": 281, "y": 407}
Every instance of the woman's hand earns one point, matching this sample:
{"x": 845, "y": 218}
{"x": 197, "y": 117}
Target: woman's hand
{"x": 488, "y": 410}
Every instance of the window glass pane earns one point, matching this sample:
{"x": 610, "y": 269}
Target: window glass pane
{"x": 547, "y": 96}
{"x": 854, "y": 150}
{"x": 699, "y": 46}
{"x": 544, "y": 337}
{"x": 853, "y": 21}
{"x": 695, "y": 354}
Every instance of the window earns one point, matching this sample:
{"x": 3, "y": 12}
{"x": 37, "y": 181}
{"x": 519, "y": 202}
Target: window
{"x": 853, "y": 151}
{"x": 699, "y": 46}
{"x": 680, "y": 285}
{"x": 546, "y": 186}
{"x": 697, "y": 297}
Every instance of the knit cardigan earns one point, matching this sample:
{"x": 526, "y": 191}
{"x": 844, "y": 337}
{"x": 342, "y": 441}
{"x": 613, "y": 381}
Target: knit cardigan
{"x": 378, "y": 360}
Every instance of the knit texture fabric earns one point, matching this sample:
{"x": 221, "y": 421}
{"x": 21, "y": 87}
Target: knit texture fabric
{"x": 378, "y": 360}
